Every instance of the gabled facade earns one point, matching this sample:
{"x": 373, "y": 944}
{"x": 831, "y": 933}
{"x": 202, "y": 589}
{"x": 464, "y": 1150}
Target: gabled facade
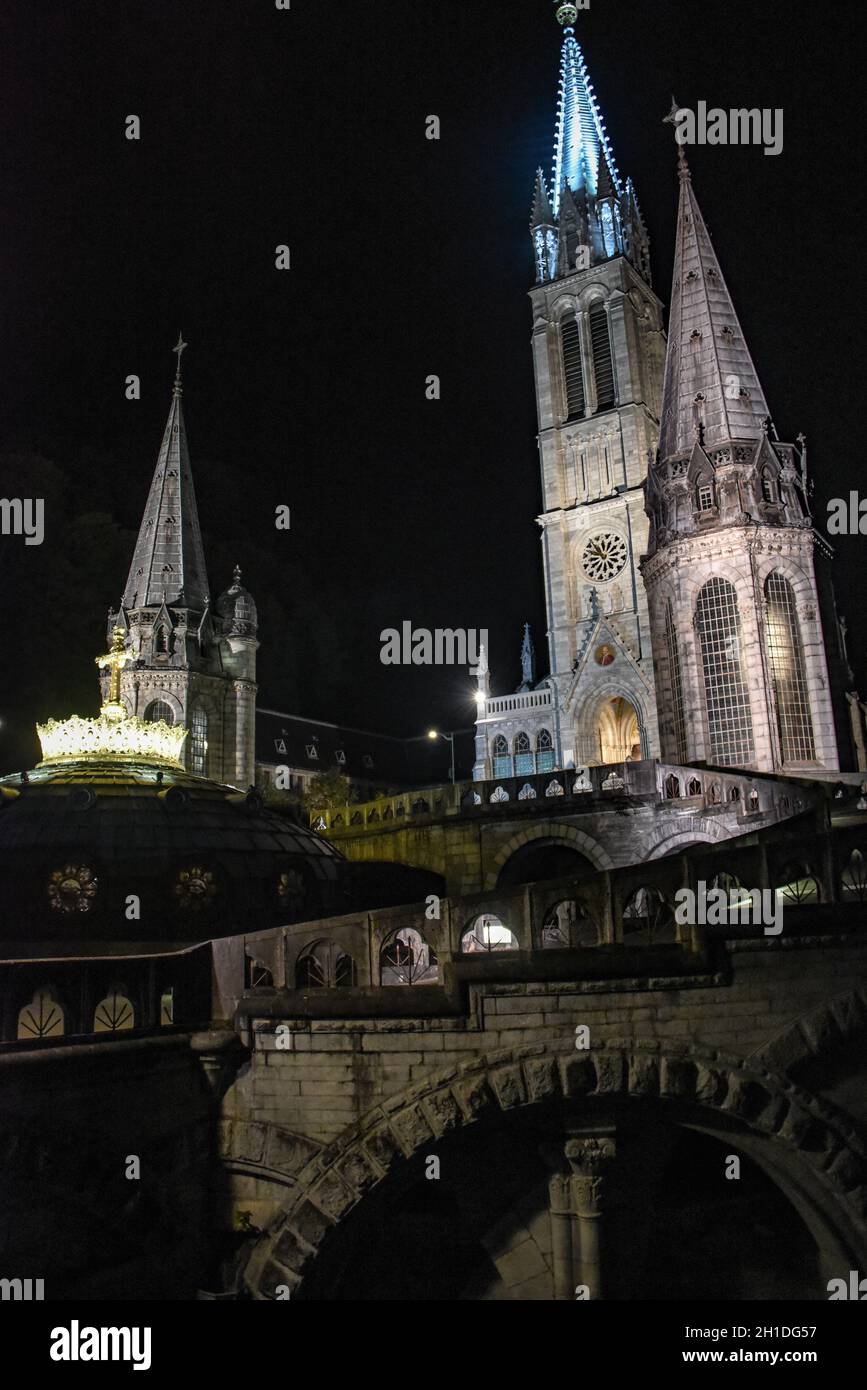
{"x": 194, "y": 663}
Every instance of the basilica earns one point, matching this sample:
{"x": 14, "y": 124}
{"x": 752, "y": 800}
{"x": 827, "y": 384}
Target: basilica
{"x": 685, "y": 616}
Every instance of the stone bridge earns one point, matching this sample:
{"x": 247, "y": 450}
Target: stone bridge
{"x": 478, "y": 835}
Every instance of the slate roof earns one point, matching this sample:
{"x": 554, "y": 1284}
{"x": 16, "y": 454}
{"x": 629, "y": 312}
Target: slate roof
{"x": 312, "y": 745}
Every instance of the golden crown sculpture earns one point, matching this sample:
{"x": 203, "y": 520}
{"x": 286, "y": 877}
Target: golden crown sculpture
{"x": 112, "y": 735}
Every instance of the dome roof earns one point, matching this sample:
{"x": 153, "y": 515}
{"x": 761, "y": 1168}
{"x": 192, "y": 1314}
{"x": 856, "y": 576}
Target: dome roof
{"x": 237, "y": 609}
{"x": 98, "y": 850}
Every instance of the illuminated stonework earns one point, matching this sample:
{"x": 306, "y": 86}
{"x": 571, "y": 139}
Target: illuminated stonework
{"x": 121, "y": 740}
{"x": 72, "y": 888}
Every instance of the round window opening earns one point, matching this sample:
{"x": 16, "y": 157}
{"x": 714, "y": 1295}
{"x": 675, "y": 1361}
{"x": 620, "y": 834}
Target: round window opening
{"x": 604, "y": 556}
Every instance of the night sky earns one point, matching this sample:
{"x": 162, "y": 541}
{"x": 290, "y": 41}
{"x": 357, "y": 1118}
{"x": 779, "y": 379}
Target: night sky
{"x": 409, "y": 257}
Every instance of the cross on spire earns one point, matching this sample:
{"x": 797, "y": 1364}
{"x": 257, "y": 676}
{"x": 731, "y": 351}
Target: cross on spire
{"x": 671, "y": 119}
{"x": 179, "y": 347}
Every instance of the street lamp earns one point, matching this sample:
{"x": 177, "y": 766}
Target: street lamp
{"x": 449, "y": 738}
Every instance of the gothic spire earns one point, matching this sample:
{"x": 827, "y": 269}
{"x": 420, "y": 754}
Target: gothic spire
{"x": 710, "y": 381}
{"x": 168, "y": 564}
{"x": 581, "y": 144}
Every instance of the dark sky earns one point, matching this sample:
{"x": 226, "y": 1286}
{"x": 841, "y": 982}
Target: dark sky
{"x": 409, "y": 257}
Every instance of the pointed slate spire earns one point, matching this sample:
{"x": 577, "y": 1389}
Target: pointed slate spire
{"x": 168, "y": 564}
{"x": 580, "y": 128}
{"x": 710, "y": 380}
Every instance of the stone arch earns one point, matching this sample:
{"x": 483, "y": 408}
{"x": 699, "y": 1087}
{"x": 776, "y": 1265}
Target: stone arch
{"x": 704, "y": 832}
{"x": 816, "y": 1034}
{"x": 558, "y": 832}
{"x": 822, "y": 1161}
{"x": 629, "y": 687}
{"x": 154, "y": 695}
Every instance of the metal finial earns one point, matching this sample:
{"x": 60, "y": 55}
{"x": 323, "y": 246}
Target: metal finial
{"x": 671, "y": 119}
{"x": 179, "y": 348}
{"x": 237, "y": 574}
{"x": 566, "y": 13}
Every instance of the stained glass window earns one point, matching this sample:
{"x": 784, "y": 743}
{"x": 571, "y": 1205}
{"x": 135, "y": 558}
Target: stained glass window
{"x": 729, "y": 718}
{"x": 788, "y": 674}
{"x": 199, "y": 742}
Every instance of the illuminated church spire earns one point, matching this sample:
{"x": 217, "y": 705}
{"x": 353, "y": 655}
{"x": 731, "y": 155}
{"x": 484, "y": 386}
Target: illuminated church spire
{"x": 588, "y": 214}
{"x": 168, "y": 565}
{"x": 581, "y": 147}
{"x": 711, "y": 387}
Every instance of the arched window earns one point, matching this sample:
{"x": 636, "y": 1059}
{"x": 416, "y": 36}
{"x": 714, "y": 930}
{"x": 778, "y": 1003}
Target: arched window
{"x": 544, "y": 751}
{"x": 161, "y": 642}
{"x": 798, "y": 886}
{"x": 488, "y": 933}
{"x": 729, "y": 718}
{"x": 502, "y": 760}
{"x": 406, "y": 959}
{"x": 43, "y": 1017}
{"x": 325, "y": 965}
{"x": 573, "y": 375}
{"x": 788, "y": 673}
{"x": 647, "y": 918}
{"x": 524, "y": 761}
{"x": 159, "y": 710}
{"x": 769, "y": 486}
{"x": 569, "y": 924}
{"x": 693, "y": 787}
{"x": 199, "y": 741}
{"x": 854, "y": 878}
{"x": 608, "y": 230}
{"x": 672, "y": 787}
{"x": 676, "y": 684}
{"x": 114, "y": 1013}
{"x": 603, "y": 366}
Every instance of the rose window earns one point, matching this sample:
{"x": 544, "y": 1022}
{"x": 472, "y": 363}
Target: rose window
{"x": 604, "y": 556}
{"x": 72, "y": 889}
{"x": 195, "y": 888}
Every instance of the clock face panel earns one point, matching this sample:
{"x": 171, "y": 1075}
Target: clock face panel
{"x": 604, "y": 556}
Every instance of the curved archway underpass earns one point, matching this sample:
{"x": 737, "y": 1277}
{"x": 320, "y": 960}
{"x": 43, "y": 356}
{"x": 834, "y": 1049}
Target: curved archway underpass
{"x": 633, "y": 1095}
{"x": 542, "y": 859}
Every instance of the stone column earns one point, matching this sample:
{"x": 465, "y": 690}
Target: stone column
{"x": 587, "y": 1159}
{"x": 575, "y": 1194}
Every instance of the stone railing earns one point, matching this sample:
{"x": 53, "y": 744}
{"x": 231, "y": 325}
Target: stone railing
{"x": 530, "y": 700}
{"x": 678, "y": 788}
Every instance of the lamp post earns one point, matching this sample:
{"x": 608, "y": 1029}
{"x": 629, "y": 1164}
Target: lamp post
{"x": 449, "y": 738}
